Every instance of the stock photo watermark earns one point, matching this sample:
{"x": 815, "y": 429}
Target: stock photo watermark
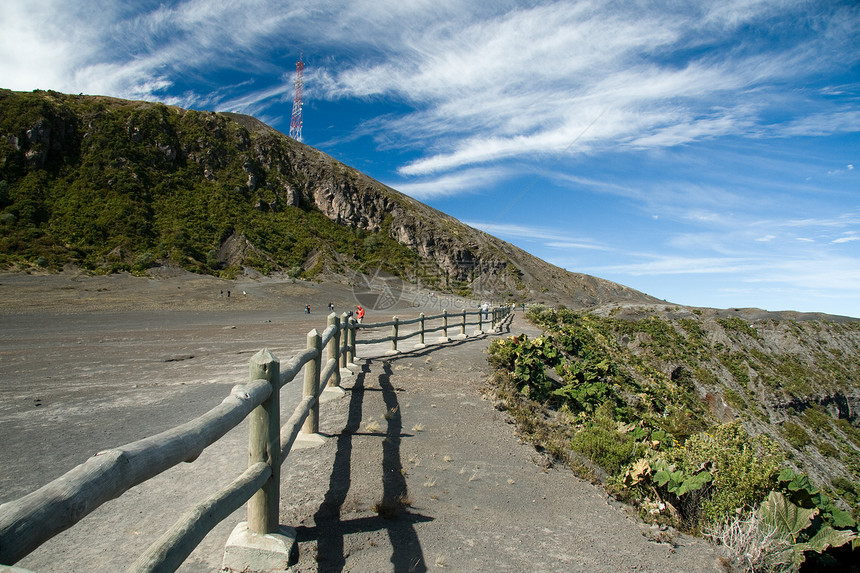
{"x": 379, "y": 291}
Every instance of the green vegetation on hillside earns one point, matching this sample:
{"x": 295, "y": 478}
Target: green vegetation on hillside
{"x": 113, "y": 185}
{"x": 698, "y": 422}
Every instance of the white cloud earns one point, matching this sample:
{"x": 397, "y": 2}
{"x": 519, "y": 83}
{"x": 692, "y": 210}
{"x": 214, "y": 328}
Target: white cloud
{"x": 467, "y": 181}
{"x": 676, "y": 265}
{"x": 42, "y": 43}
{"x": 847, "y": 239}
{"x": 825, "y": 273}
{"x": 550, "y": 237}
{"x": 821, "y": 273}
{"x": 577, "y": 245}
{"x": 819, "y": 124}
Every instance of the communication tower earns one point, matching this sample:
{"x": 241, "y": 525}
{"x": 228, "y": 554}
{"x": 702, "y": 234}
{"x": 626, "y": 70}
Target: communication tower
{"x": 296, "y": 120}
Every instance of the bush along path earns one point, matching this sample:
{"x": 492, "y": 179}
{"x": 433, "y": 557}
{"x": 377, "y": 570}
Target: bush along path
{"x": 616, "y": 418}
{"x": 420, "y": 471}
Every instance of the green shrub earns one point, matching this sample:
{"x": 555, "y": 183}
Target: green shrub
{"x": 735, "y": 362}
{"x": 849, "y": 430}
{"x": 734, "y": 399}
{"x": 603, "y": 444}
{"x": 745, "y": 468}
{"x": 829, "y": 450}
{"x": 795, "y": 434}
{"x": 817, "y": 418}
{"x": 527, "y": 359}
{"x": 143, "y": 262}
{"x": 737, "y": 325}
{"x": 847, "y": 490}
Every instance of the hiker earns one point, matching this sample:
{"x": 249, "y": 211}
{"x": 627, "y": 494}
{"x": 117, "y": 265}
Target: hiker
{"x": 331, "y": 306}
{"x": 485, "y": 308}
{"x": 359, "y": 314}
{"x": 307, "y": 309}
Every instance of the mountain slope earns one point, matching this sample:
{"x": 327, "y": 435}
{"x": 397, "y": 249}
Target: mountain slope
{"x": 111, "y": 184}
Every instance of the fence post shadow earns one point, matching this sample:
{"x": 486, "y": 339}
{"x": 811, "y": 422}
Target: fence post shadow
{"x": 407, "y": 554}
{"x": 329, "y": 530}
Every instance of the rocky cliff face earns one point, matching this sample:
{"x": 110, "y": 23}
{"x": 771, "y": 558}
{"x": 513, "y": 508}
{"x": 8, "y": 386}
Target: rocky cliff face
{"x": 465, "y": 255}
{"x": 789, "y": 375}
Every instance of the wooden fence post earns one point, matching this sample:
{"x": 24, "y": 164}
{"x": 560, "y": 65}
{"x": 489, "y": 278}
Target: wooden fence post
{"x": 264, "y": 445}
{"x": 312, "y": 383}
{"x": 463, "y": 326}
{"x": 480, "y": 319}
{"x": 394, "y": 329}
{"x": 344, "y": 339}
{"x": 333, "y": 351}
{"x": 421, "y": 332}
{"x": 350, "y": 340}
{"x": 445, "y": 323}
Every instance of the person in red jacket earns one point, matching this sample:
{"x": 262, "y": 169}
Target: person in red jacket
{"x": 359, "y": 314}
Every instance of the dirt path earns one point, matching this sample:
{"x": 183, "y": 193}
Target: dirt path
{"x": 418, "y": 471}
{"x": 425, "y": 474}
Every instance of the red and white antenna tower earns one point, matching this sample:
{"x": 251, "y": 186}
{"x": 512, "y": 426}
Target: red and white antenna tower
{"x": 296, "y": 120}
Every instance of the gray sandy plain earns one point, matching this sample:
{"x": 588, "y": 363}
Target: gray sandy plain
{"x": 417, "y": 472}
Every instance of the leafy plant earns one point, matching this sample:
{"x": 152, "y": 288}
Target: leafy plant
{"x": 799, "y": 529}
{"x": 678, "y": 483}
{"x": 527, "y": 359}
{"x": 777, "y": 537}
{"x": 800, "y": 491}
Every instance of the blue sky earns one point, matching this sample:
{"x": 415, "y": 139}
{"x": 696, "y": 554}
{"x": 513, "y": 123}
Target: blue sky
{"x": 703, "y": 152}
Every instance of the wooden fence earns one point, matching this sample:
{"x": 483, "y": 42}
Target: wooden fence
{"x": 31, "y": 520}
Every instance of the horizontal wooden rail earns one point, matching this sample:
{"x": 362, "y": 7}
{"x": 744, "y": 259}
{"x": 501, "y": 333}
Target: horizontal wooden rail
{"x": 174, "y": 547}
{"x": 491, "y": 317}
{"x": 374, "y": 340}
{"x": 290, "y": 431}
{"x": 294, "y": 365}
{"x": 367, "y": 326}
{"x": 33, "y": 519}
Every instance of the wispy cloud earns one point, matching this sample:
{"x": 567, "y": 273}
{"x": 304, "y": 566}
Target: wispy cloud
{"x": 677, "y": 265}
{"x": 528, "y": 80}
{"x": 848, "y": 238}
{"x": 824, "y": 271}
{"x": 503, "y": 80}
{"x": 551, "y": 238}
{"x": 469, "y": 181}
{"x": 837, "y": 121}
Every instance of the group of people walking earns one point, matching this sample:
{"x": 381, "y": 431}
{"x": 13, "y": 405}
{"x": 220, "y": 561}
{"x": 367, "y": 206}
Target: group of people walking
{"x": 359, "y": 313}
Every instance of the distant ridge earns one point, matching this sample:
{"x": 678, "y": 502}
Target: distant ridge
{"x": 111, "y": 184}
